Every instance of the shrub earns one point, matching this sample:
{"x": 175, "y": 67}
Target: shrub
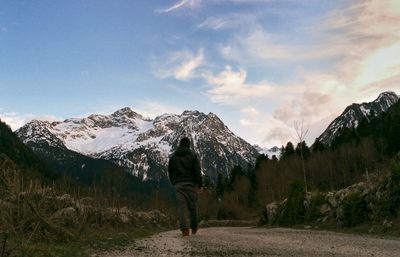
{"x": 355, "y": 210}
{"x": 293, "y": 211}
{"x": 313, "y": 212}
{"x": 394, "y": 187}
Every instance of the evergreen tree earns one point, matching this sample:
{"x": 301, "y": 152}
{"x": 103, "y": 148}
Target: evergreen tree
{"x": 302, "y": 148}
{"x": 288, "y": 150}
{"x": 318, "y": 146}
{"x": 221, "y": 185}
{"x": 260, "y": 159}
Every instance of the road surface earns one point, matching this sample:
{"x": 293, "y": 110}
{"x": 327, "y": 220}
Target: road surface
{"x": 241, "y": 242}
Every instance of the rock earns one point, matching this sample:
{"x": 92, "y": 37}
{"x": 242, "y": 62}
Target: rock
{"x": 307, "y": 227}
{"x": 124, "y": 218}
{"x": 86, "y": 201}
{"x": 331, "y": 199}
{"x": 151, "y": 219}
{"x": 66, "y": 215}
{"x": 324, "y": 219}
{"x": 84, "y": 205}
{"x": 272, "y": 210}
{"x": 387, "y": 224}
{"x": 125, "y": 210}
{"x": 324, "y": 209}
{"x": 66, "y": 199}
{"x": 339, "y": 212}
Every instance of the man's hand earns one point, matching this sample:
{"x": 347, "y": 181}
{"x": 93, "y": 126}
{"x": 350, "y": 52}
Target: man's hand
{"x": 199, "y": 190}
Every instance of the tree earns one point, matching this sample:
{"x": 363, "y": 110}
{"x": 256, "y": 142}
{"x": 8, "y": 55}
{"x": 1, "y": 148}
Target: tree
{"x": 261, "y": 158}
{"x": 302, "y": 148}
{"x": 221, "y": 185}
{"x": 318, "y": 146}
{"x": 301, "y": 133}
{"x": 288, "y": 150}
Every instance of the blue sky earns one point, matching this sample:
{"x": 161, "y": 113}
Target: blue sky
{"x": 260, "y": 65}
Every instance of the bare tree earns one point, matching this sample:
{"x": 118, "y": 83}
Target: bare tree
{"x": 301, "y": 133}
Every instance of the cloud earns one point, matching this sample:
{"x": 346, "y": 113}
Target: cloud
{"x": 361, "y": 41}
{"x": 191, "y": 4}
{"x": 17, "y": 120}
{"x": 181, "y": 65}
{"x": 229, "y": 21}
{"x": 230, "y": 87}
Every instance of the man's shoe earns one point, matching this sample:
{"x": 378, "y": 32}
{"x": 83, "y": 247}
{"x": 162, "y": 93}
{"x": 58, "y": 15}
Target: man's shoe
{"x": 194, "y": 231}
{"x": 185, "y": 232}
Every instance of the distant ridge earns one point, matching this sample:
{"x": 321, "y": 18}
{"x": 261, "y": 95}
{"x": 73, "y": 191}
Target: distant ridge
{"x": 355, "y": 113}
{"x": 141, "y": 145}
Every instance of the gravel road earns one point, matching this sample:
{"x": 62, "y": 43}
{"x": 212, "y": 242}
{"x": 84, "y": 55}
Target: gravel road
{"x": 240, "y": 242}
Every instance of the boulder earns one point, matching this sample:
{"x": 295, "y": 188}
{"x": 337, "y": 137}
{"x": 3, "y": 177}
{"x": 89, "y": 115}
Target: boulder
{"x": 331, "y": 199}
{"x": 65, "y": 216}
{"x": 124, "y": 218}
{"x": 325, "y": 209}
{"x": 272, "y": 210}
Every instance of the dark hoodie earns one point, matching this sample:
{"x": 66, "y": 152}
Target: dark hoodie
{"x": 184, "y": 166}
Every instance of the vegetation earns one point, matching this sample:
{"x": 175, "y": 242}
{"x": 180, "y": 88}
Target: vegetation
{"x": 294, "y": 210}
{"x": 355, "y": 155}
{"x": 34, "y": 194}
{"x": 355, "y": 210}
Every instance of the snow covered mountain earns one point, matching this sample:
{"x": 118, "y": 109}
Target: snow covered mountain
{"x": 354, "y": 113}
{"x": 269, "y": 151}
{"x": 141, "y": 145}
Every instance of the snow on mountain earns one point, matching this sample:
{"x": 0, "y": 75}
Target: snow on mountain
{"x": 354, "y": 113}
{"x": 269, "y": 151}
{"x": 143, "y": 145}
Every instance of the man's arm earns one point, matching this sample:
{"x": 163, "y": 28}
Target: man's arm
{"x": 197, "y": 172}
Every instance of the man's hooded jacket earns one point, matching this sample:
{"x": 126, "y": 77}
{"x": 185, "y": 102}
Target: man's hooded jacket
{"x": 184, "y": 166}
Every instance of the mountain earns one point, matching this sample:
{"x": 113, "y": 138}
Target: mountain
{"x": 382, "y": 130}
{"x": 141, "y": 145}
{"x": 269, "y": 151}
{"x": 355, "y": 113}
{"x": 12, "y": 149}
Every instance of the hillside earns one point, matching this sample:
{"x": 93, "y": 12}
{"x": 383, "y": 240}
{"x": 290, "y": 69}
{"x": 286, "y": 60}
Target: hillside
{"x": 355, "y": 113}
{"x": 11, "y": 148}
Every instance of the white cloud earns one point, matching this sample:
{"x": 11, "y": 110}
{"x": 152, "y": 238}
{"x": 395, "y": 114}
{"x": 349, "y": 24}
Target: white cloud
{"x": 230, "y": 87}
{"x": 362, "y": 43}
{"x": 191, "y": 4}
{"x": 17, "y": 120}
{"x": 181, "y": 65}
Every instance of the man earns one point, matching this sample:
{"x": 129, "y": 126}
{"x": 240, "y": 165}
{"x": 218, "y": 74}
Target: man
{"x": 184, "y": 173}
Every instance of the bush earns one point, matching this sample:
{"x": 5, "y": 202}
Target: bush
{"x": 355, "y": 210}
{"x": 293, "y": 211}
{"x": 313, "y": 212}
{"x": 388, "y": 205}
{"x": 394, "y": 187}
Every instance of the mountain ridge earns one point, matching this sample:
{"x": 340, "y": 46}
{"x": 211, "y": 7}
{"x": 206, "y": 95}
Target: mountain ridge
{"x": 356, "y": 112}
{"x": 143, "y": 145}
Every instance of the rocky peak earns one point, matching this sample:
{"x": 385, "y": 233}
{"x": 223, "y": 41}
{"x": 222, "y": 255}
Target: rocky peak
{"x": 387, "y": 99}
{"x": 355, "y": 113}
{"x": 127, "y": 112}
{"x": 142, "y": 146}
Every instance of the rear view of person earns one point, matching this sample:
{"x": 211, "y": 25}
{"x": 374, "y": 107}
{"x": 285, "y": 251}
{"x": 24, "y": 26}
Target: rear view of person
{"x": 184, "y": 173}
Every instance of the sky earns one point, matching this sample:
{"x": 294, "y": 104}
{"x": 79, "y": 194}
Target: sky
{"x": 260, "y": 65}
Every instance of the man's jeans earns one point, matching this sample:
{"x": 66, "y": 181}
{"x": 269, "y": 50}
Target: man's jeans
{"x": 186, "y": 198}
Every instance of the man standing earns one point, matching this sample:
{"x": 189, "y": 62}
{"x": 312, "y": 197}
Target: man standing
{"x": 184, "y": 173}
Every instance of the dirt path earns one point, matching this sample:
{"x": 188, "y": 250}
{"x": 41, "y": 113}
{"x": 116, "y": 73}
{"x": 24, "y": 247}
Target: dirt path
{"x": 239, "y": 242}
